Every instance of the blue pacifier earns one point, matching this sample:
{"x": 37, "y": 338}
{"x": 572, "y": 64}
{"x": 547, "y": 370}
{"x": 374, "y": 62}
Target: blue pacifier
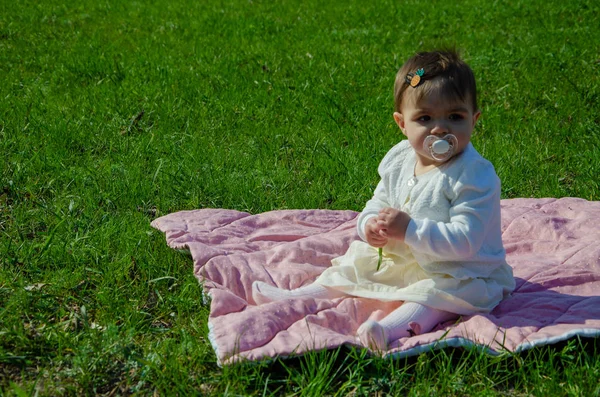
{"x": 440, "y": 149}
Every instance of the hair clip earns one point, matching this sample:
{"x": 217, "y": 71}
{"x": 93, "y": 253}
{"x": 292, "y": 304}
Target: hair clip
{"x": 413, "y": 79}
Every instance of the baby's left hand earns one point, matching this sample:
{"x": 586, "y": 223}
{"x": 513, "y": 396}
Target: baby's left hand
{"x": 393, "y": 223}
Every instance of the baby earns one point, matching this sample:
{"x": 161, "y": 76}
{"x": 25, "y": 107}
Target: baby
{"x": 435, "y": 213}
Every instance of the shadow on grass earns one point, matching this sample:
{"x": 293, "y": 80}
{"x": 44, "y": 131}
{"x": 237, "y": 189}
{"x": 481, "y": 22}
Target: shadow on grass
{"x": 350, "y": 371}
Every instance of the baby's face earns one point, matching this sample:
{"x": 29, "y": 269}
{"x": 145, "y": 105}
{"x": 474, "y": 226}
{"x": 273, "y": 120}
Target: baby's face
{"x": 433, "y": 115}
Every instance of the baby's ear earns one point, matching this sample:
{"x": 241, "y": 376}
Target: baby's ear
{"x": 476, "y": 117}
{"x": 399, "y": 119}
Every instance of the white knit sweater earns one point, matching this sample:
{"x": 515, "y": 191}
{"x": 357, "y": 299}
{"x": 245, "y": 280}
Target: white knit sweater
{"x": 455, "y": 211}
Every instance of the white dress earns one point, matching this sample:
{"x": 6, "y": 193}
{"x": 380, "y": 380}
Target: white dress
{"x": 452, "y": 258}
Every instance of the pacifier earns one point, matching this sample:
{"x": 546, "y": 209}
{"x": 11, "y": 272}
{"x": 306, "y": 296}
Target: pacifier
{"x": 440, "y": 149}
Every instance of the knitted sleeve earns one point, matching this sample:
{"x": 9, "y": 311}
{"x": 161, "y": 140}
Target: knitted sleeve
{"x": 392, "y": 160}
{"x": 475, "y": 203}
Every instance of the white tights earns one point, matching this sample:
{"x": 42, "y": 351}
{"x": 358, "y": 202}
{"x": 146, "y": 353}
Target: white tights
{"x": 409, "y": 319}
{"x": 265, "y": 293}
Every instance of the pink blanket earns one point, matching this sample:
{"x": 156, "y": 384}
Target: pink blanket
{"x": 551, "y": 244}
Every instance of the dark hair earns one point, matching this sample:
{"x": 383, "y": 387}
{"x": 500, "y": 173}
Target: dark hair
{"x": 443, "y": 71}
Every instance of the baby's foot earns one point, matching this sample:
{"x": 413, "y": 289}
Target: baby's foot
{"x": 373, "y": 336}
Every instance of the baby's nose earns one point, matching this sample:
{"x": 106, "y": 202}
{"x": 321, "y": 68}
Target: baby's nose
{"x": 439, "y": 129}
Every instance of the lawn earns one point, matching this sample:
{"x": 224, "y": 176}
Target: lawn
{"x": 113, "y": 113}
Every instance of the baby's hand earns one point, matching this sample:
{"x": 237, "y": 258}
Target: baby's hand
{"x": 393, "y": 223}
{"x": 374, "y": 238}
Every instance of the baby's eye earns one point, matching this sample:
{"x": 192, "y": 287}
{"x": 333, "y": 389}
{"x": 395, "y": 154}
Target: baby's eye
{"x": 456, "y": 117}
{"x": 424, "y": 118}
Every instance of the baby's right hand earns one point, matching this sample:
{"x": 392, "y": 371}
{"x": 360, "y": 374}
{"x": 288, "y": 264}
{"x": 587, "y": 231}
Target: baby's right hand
{"x": 372, "y": 234}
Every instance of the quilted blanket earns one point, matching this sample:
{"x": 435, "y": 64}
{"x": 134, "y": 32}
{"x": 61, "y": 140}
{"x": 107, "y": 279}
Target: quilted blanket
{"x": 552, "y": 245}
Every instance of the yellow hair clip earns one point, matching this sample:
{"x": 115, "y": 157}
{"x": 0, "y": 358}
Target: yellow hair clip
{"x": 414, "y": 79}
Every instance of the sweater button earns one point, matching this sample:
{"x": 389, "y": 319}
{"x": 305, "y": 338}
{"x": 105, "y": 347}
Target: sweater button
{"x": 412, "y": 182}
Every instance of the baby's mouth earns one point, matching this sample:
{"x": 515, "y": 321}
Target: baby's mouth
{"x": 440, "y": 149}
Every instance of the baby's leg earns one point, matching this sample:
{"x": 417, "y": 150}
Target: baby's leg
{"x": 410, "y": 318}
{"x": 264, "y": 293}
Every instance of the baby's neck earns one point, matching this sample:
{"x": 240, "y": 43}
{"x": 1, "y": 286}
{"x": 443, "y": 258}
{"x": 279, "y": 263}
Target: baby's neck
{"x": 421, "y": 169}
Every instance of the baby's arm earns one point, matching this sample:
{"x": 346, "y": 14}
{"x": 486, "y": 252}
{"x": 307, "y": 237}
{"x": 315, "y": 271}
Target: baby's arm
{"x": 367, "y": 220}
{"x": 475, "y": 210}
{"x": 366, "y": 226}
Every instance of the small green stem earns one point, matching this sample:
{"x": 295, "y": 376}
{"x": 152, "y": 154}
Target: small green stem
{"x": 380, "y": 258}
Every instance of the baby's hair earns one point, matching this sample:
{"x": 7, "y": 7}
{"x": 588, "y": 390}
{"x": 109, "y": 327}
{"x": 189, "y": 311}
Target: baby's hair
{"x": 444, "y": 72}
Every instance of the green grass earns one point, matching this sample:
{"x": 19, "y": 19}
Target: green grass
{"x": 113, "y": 113}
